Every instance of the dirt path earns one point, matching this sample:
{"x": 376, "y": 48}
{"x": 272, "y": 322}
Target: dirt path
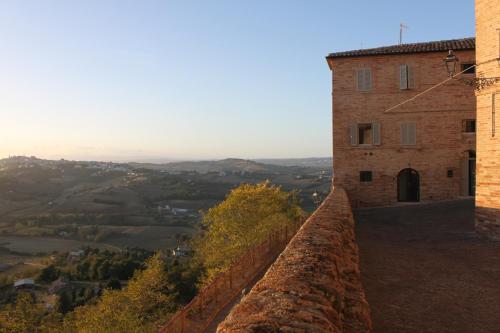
{"x": 425, "y": 270}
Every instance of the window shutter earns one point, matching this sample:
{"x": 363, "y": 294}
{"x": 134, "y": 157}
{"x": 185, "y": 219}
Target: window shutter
{"x": 364, "y": 79}
{"x": 353, "y": 134}
{"x": 376, "y": 133}
{"x": 408, "y": 134}
{"x": 368, "y": 79}
{"x": 360, "y": 79}
{"x": 404, "y": 134}
{"x": 403, "y": 77}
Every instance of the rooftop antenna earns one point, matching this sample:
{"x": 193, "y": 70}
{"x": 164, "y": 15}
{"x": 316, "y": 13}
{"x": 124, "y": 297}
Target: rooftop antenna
{"x": 401, "y": 27}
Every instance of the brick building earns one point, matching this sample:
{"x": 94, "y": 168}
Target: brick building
{"x": 488, "y": 118}
{"x": 423, "y": 150}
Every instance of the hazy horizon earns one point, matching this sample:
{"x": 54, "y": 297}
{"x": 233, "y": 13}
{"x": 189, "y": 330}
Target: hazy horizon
{"x": 120, "y": 80}
{"x": 161, "y": 160}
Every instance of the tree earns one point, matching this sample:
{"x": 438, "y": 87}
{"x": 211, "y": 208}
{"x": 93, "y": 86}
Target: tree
{"x": 184, "y": 278}
{"x": 244, "y": 219}
{"x": 23, "y": 316}
{"x": 143, "y": 305}
{"x": 114, "y": 284}
{"x": 48, "y": 274}
{"x": 52, "y": 323}
{"x": 65, "y": 302}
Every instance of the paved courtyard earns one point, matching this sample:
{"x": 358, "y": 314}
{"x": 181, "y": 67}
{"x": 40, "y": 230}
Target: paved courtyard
{"x": 425, "y": 270}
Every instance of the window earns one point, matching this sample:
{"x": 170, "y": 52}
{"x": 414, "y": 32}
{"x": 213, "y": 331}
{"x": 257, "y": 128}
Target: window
{"x": 408, "y": 134}
{"x": 406, "y": 80}
{"x": 365, "y": 134}
{"x": 365, "y": 176}
{"x": 469, "y": 126}
{"x": 467, "y": 67}
{"x": 364, "y": 79}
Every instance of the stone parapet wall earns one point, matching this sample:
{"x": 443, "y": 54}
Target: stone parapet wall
{"x": 314, "y": 285}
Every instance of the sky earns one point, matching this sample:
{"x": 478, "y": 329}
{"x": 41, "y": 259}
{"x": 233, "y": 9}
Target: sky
{"x": 158, "y": 80}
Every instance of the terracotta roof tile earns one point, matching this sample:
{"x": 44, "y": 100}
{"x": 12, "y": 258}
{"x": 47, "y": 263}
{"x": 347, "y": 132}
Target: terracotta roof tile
{"x": 436, "y": 46}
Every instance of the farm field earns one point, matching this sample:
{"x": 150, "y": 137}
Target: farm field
{"x": 150, "y": 237}
{"x": 34, "y": 245}
{"x": 147, "y": 237}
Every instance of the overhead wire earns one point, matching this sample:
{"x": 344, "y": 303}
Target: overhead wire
{"x": 437, "y": 85}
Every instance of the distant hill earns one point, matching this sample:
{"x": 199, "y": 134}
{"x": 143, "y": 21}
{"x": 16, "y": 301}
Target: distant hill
{"x": 30, "y": 186}
{"x": 204, "y": 166}
{"x": 229, "y": 165}
{"x": 238, "y": 165}
{"x": 315, "y": 162}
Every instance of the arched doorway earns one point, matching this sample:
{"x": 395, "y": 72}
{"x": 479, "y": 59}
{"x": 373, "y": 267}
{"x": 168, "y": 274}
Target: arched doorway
{"x": 408, "y": 185}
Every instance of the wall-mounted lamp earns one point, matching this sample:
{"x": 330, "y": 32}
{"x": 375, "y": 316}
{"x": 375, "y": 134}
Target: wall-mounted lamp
{"x": 477, "y": 83}
{"x": 450, "y": 62}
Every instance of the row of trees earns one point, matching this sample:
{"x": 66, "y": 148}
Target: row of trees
{"x": 246, "y": 218}
{"x": 96, "y": 265}
{"x": 145, "y": 304}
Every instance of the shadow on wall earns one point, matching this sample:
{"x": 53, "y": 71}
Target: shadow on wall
{"x": 488, "y": 222}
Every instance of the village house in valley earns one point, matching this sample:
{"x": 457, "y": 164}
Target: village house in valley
{"x": 423, "y": 150}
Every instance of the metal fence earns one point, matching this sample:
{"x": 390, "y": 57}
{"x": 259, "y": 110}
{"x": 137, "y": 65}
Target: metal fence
{"x": 196, "y": 316}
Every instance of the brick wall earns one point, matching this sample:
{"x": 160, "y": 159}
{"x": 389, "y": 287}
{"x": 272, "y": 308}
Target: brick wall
{"x": 314, "y": 285}
{"x": 440, "y": 143}
{"x": 488, "y": 131}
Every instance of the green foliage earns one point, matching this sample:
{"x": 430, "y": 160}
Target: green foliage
{"x": 145, "y": 304}
{"x": 48, "y": 274}
{"x": 245, "y": 218}
{"x": 23, "y": 316}
{"x": 183, "y": 278}
{"x": 65, "y": 302}
{"x": 98, "y": 265}
{"x": 114, "y": 284}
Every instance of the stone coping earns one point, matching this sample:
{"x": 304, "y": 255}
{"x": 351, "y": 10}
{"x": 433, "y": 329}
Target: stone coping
{"x": 314, "y": 285}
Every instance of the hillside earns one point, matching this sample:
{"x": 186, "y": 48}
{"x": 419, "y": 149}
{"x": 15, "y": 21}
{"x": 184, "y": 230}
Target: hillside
{"x": 234, "y": 165}
{"x": 118, "y": 204}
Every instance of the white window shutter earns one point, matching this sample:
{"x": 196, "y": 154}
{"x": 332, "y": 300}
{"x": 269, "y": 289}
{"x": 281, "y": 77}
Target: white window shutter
{"x": 376, "y": 133}
{"x": 403, "y": 77}
{"x": 353, "y": 134}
